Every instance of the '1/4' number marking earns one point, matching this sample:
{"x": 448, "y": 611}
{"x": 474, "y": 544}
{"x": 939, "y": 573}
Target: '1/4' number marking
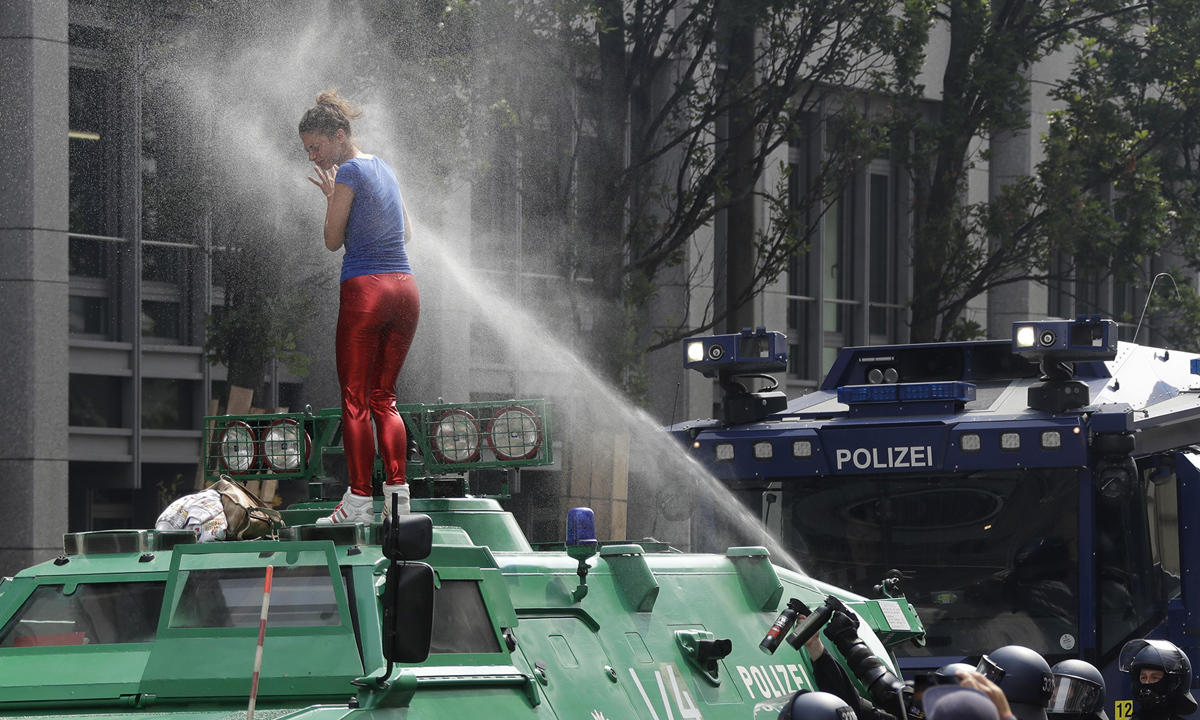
{"x": 679, "y": 692}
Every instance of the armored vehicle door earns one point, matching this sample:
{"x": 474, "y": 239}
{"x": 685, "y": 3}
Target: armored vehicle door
{"x": 575, "y": 672}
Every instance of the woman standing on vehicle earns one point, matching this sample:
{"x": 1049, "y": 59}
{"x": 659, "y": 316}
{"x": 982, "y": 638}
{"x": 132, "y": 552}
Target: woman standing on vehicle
{"x": 379, "y": 303}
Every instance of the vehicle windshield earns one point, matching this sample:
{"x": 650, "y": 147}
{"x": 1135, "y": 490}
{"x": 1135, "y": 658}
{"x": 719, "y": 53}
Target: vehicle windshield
{"x": 461, "y": 623}
{"x": 301, "y": 596}
{"x": 86, "y": 614}
{"x": 988, "y": 559}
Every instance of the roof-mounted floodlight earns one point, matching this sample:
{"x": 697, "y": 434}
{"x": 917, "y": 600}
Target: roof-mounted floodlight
{"x": 749, "y": 353}
{"x": 1084, "y": 338}
{"x": 1057, "y": 344}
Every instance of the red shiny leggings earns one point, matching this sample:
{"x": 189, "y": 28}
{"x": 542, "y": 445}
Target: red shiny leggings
{"x": 376, "y": 321}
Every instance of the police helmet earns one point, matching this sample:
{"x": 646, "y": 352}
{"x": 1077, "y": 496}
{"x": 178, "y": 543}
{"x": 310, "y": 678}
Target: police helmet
{"x": 957, "y": 702}
{"x": 1025, "y": 678}
{"x": 1078, "y": 690}
{"x": 1174, "y": 689}
{"x": 948, "y": 674}
{"x": 814, "y": 705}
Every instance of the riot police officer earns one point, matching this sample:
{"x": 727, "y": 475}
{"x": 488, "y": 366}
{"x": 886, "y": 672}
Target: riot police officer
{"x": 1078, "y": 692}
{"x": 1161, "y": 676}
{"x": 893, "y": 697}
{"x": 1025, "y": 678}
{"x": 813, "y": 705}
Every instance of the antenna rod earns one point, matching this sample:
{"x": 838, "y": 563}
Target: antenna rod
{"x": 1148, "y": 295}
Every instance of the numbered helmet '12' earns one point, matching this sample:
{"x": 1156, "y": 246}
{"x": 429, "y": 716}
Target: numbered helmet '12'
{"x": 1078, "y": 690}
{"x": 1173, "y": 691}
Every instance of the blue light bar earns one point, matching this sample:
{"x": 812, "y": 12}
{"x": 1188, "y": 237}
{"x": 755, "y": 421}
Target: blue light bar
{"x": 952, "y": 390}
{"x": 857, "y": 394}
{"x": 1195, "y": 366}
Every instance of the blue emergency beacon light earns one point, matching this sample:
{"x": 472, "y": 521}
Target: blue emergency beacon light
{"x": 581, "y": 544}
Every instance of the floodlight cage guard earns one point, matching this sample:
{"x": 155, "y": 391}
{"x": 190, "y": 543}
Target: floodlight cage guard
{"x": 455, "y": 437}
{"x": 275, "y": 446}
{"x": 444, "y": 439}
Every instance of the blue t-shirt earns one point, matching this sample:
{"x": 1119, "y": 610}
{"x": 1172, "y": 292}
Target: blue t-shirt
{"x": 375, "y": 231}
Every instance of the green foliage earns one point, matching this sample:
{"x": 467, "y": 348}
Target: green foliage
{"x": 264, "y": 309}
{"x": 644, "y": 121}
{"x": 1117, "y": 184}
{"x": 1120, "y": 179}
{"x": 964, "y": 329}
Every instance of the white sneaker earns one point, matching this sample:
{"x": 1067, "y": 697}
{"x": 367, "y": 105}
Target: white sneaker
{"x": 352, "y": 509}
{"x": 400, "y": 492}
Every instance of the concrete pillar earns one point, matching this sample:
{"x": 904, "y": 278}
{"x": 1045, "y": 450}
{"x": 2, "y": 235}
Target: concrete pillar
{"x": 1013, "y": 156}
{"x": 34, "y": 62}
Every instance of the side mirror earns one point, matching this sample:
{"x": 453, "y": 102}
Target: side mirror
{"x": 407, "y": 611}
{"x": 407, "y": 537}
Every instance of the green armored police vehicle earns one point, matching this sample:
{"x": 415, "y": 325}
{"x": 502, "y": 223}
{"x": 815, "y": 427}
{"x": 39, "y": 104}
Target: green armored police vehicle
{"x": 445, "y": 613}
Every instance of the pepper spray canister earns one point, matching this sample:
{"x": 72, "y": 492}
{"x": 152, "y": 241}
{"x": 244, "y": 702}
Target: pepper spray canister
{"x": 814, "y": 622}
{"x": 781, "y": 626}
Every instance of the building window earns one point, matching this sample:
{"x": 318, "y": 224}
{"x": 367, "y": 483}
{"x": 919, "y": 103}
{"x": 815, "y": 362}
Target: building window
{"x": 163, "y": 264}
{"x": 881, "y": 243}
{"x": 167, "y": 404}
{"x": 89, "y": 141}
{"x": 88, "y": 258}
{"x": 93, "y": 252}
{"x": 843, "y": 284}
{"x": 89, "y": 316}
{"x": 160, "y": 320}
{"x": 800, "y": 301}
{"x": 837, "y": 289}
{"x": 94, "y": 401}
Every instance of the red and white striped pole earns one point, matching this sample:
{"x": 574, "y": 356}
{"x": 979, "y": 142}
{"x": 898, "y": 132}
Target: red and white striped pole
{"x": 262, "y": 631}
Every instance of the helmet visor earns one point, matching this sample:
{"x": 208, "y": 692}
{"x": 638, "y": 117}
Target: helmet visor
{"x": 1074, "y": 696}
{"x": 990, "y": 670}
{"x": 1155, "y": 654}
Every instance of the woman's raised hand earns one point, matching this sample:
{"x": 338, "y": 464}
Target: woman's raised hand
{"x": 324, "y": 179}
